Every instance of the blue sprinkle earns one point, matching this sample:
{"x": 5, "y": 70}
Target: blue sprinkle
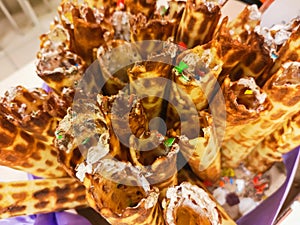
{"x": 274, "y": 56}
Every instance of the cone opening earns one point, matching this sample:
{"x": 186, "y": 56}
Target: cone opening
{"x": 290, "y": 74}
{"x": 118, "y": 196}
{"x": 188, "y": 216}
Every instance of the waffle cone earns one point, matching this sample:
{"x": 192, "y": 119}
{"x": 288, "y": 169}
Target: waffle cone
{"x": 270, "y": 150}
{"x": 193, "y": 32}
{"x": 35, "y": 111}
{"x": 188, "y": 203}
{"x": 199, "y": 79}
{"x": 164, "y": 24}
{"x": 56, "y": 65}
{"x": 146, "y": 76}
{"x": 156, "y": 156}
{"x": 146, "y": 7}
{"x": 231, "y": 50}
{"x": 87, "y": 30}
{"x": 90, "y": 34}
{"x": 254, "y": 62}
{"x": 130, "y": 200}
{"x": 186, "y": 176}
{"x": 240, "y": 108}
{"x": 245, "y": 23}
{"x": 112, "y": 54}
{"x": 203, "y": 152}
{"x": 278, "y": 88}
{"x": 40, "y": 196}
{"x": 290, "y": 51}
{"x": 22, "y": 151}
{"x": 86, "y": 128}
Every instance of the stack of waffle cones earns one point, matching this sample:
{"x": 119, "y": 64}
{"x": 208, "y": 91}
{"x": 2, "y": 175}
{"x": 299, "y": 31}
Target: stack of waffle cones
{"x": 123, "y": 142}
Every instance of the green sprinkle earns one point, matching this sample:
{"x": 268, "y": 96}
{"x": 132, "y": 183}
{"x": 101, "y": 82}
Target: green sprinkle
{"x": 182, "y": 65}
{"x": 58, "y": 135}
{"x": 85, "y": 141}
{"x": 185, "y": 77}
{"x": 163, "y": 10}
{"x": 169, "y": 142}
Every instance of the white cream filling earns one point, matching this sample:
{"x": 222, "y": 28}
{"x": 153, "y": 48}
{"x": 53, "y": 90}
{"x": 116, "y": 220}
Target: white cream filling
{"x": 191, "y": 196}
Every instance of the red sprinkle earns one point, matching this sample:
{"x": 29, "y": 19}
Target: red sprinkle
{"x": 208, "y": 183}
{"x": 182, "y": 44}
{"x": 120, "y": 3}
{"x": 221, "y": 183}
{"x": 260, "y": 188}
{"x": 255, "y": 180}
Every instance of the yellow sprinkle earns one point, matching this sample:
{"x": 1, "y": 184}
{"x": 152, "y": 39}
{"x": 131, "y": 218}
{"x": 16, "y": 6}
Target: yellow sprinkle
{"x": 248, "y": 92}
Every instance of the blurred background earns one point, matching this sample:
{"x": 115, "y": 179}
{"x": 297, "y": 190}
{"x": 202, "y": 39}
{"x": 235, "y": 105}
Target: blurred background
{"x": 21, "y": 24}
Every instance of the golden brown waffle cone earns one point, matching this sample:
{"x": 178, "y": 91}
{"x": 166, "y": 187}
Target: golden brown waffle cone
{"x": 122, "y": 195}
{"x": 198, "y": 80}
{"x": 88, "y": 29}
{"x": 189, "y": 204}
{"x": 146, "y": 76}
{"x": 255, "y": 61}
{"x": 162, "y": 25}
{"x": 270, "y": 150}
{"x": 245, "y": 23}
{"x": 40, "y": 196}
{"x": 22, "y": 151}
{"x": 141, "y": 29}
{"x": 241, "y": 107}
{"x": 56, "y": 65}
{"x": 86, "y": 127}
{"x": 116, "y": 52}
{"x": 90, "y": 124}
{"x": 231, "y": 50}
{"x": 35, "y": 111}
{"x": 186, "y": 176}
{"x": 203, "y": 152}
{"x": 290, "y": 51}
{"x": 198, "y": 23}
{"x": 140, "y": 6}
{"x": 279, "y": 89}
{"x": 89, "y": 33}
{"x": 156, "y": 156}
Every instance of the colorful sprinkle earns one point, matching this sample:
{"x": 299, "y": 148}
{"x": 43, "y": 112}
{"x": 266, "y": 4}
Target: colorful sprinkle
{"x": 248, "y": 92}
{"x": 207, "y": 183}
{"x": 163, "y": 10}
{"x": 274, "y": 56}
{"x": 182, "y": 44}
{"x": 182, "y": 65}
{"x": 58, "y": 135}
{"x": 261, "y": 187}
{"x": 85, "y": 141}
{"x": 221, "y": 183}
{"x": 228, "y": 172}
{"x": 120, "y": 3}
{"x": 185, "y": 77}
{"x": 255, "y": 180}
{"x": 169, "y": 142}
